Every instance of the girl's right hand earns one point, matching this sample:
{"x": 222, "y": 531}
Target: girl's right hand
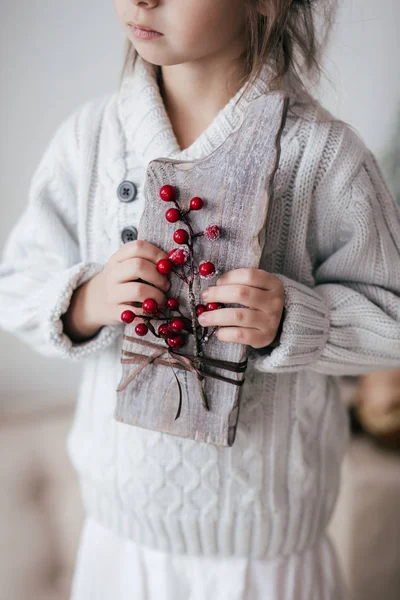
{"x": 115, "y": 288}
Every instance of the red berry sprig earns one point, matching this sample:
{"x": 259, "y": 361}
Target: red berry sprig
{"x": 179, "y": 261}
{"x": 183, "y": 258}
{"x": 173, "y": 328}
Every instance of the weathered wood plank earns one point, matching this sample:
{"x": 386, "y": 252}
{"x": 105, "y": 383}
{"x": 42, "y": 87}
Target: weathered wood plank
{"x": 234, "y": 181}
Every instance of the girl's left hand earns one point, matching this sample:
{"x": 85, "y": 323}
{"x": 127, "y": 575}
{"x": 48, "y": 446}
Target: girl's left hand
{"x": 259, "y": 291}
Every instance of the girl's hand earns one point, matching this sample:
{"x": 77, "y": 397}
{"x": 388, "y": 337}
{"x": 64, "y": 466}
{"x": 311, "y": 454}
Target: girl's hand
{"x": 101, "y": 300}
{"x": 116, "y": 287}
{"x": 262, "y": 294}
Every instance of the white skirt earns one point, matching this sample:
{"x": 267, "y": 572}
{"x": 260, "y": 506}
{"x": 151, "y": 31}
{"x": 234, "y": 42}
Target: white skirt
{"x": 112, "y": 568}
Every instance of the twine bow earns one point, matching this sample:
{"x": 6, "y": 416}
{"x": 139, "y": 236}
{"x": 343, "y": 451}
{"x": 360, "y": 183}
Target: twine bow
{"x": 186, "y": 362}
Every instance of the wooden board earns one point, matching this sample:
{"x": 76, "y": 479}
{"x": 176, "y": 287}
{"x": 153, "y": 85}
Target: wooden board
{"x": 235, "y": 182}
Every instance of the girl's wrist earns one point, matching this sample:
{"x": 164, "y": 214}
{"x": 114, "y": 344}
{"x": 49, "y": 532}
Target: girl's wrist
{"x": 80, "y": 322}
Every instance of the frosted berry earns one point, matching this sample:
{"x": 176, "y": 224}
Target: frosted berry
{"x": 181, "y": 236}
{"x": 200, "y": 308}
{"x": 150, "y": 306}
{"x": 167, "y": 193}
{"x": 207, "y": 269}
{"x": 172, "y": 215}
{"x": 196, "y": 203}
{"x": 164, "y": 266}
{"x": 141, "y": 329}
{"x": 176, "y": 342}
{"x": 212, "y": 232}
{"x": 173, "y": 303}
{"x": 213, "y": 305}
{"x": 177, "y": 325}
{"x": 127, "y": 316}
{"x": 164, "y": 330}
{"x": 179, "y": 256}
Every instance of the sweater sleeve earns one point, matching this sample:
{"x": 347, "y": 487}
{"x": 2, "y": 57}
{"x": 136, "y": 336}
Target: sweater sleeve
{"x": 349, "y": 322}
{"x": 41, "y": 263}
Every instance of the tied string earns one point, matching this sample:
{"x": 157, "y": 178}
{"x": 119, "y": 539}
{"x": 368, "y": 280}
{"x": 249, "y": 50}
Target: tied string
{"x": 186, "y": 362}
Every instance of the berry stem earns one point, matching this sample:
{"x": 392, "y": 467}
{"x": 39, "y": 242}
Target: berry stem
{"x": 183, "y": 277}
{"x": 153, "y": 331}
{"x": 213, "y": 330}
{"x": 192, "y": 299}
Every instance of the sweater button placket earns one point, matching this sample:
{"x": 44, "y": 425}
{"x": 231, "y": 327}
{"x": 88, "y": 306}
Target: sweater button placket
{"x": 127, "y": 191}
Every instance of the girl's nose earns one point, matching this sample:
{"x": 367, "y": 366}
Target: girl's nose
{"x": 146, "y": 3}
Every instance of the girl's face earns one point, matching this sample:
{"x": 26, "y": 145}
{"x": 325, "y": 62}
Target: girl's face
{"x": 192, "y": 30}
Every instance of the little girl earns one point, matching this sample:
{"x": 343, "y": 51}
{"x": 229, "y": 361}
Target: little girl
{"x": 169, "y": 517}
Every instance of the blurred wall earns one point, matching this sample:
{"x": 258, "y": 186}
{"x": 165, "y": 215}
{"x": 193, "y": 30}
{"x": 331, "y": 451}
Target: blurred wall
{"x": 53, "y": 56}
{"x": 56, "y": 55}
{"x": 362, "y": 63}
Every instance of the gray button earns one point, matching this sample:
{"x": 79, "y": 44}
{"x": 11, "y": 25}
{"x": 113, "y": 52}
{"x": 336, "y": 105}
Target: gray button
{"x": 129, "y": 234}
{"x": 127, "y": 191}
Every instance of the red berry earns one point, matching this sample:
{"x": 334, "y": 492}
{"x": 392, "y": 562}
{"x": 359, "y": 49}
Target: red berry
{"x": 200, "y": 308}
{"x": 179, "y": 256}
{"x": 173, "y": 303}
{"x": 149, "y": 305}
{"x": 176, "y": 342}
{"x": 164, "y": 330}
{"x": 164, "y": 266}
{"x": 173, "y": 215}
{"x": 207, "y": 269}
{"x": 167, "y": 193}
{"x": 127, "y": 316}
{"x": 213, "y": 305}
{"x": 196, "y": 203}
{"x": 212, "y": 232}
{"x": 177, "y": 325}
{"x": 181, "y": 236}
{"x": 141, "y": 329}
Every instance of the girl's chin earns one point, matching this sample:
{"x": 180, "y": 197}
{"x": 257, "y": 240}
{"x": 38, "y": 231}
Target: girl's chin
{"x": 161, "y": 59}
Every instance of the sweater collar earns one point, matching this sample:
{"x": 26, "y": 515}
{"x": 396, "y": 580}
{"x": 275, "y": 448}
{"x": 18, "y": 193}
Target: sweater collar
{"x": 147, "y": 126}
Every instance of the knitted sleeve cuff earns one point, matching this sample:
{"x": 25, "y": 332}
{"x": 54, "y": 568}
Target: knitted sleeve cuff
{"x": 304, "y": 331}
{"x": 56, "y": 297}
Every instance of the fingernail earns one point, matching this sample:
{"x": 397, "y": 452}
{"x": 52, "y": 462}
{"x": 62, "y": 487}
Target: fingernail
{"x": 204, "y": 294}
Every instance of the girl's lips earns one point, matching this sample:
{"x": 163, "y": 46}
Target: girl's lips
{"x": 143, "y": 34}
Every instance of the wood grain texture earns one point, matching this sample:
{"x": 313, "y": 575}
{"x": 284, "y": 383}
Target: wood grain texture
{"x": 235, "y": 184}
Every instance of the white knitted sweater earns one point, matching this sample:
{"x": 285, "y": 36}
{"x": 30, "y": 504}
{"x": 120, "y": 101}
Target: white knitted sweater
{"x": 333, "y": 237}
